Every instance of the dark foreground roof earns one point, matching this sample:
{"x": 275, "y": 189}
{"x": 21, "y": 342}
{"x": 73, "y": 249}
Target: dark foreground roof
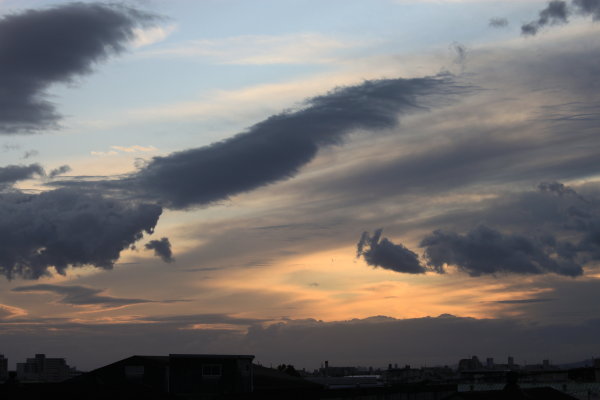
{"x": 542, "y": 393}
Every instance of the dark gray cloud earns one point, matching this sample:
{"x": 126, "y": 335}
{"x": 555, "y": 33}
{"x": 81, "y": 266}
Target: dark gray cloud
{"x": 557, "y": 12}
{"x": 63, "y": 169}
{"x": 379, "y": 252}
{"x": 61, "y": 43}
{"x": 276, "y": 148}
{"x": 67, "y": 227}
{"x": 162, "y": 249}
{"x": 498, "y": 22}
{"x": 551, "y": 230}
{"x": 588, "y": 7}
{"x": 81, "y": 295}
{"x": 271, "y": 150}
{"x": 14, "y": 173}
{"x": 487, "y": 251}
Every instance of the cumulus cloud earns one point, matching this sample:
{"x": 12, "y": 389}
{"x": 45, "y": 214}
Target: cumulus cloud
{"x": 487, "y": 251}
{"x": 551, "y": 230}
{"x": 67, "y": 227}
{"x": 383, "y": 253}
{"x": 162, "y": 249}
{"x": 81, "y": 295}
{"x": 62, "y": 43}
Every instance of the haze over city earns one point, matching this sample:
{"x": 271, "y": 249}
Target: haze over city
{"x": 364, "y": 182}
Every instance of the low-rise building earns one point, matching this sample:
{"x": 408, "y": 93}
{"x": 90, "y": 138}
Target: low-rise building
{"x": 177, "y": 374}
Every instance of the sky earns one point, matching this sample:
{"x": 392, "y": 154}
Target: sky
{"x": 363, "y": 182}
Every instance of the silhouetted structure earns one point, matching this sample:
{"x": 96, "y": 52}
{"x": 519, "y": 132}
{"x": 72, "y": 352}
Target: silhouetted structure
{"x": 469, "y": 364}
{"x": 44, "y": 369}
{"x": 3, "y": 368}
{"x": 177, "y": 374}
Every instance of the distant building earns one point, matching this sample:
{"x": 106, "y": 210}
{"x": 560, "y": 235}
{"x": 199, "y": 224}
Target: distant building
{"x": 3, "y": 368}
{"x": 469, "y": 364}
{"x": 403, "y": 375}
{"x": 44, "y": 369}
{"x": 338, "y": 372}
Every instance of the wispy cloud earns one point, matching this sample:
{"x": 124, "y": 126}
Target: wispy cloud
{"x": 304, "y": 48}
{"x": 116, "y": 150}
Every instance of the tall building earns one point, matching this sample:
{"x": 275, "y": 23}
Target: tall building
{"x": 43, "y": 369}
{"x": 3, "y": 368}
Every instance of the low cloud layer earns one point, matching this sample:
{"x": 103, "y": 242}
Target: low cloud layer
{"x": 61, "y": 43}
{"x": 383, "y": 253}
{"x": 557, "y": 12}
{"x": 65, "y": 227}
{"x": 306, "y": 343}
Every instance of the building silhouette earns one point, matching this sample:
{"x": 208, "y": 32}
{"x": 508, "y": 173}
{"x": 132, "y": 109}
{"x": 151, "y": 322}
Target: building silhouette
{"x": 44, "y": 369}
{"x": 177, "y": 374}
{"x": 3, "y": 368}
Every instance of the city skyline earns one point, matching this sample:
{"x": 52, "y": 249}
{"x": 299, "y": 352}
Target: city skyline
{"x": 354, "y": 181}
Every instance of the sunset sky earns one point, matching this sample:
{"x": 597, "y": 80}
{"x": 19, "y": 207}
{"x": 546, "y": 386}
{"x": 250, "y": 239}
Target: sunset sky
{"x": 364, "y": 182}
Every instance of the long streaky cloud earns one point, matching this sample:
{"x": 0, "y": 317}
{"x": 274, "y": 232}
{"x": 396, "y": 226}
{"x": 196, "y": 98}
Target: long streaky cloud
{"x": 276, "y": 148}
{"x": 81, "y": 295}
{"x": 41, "y": 47}
{"x": 79, "y": 224}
